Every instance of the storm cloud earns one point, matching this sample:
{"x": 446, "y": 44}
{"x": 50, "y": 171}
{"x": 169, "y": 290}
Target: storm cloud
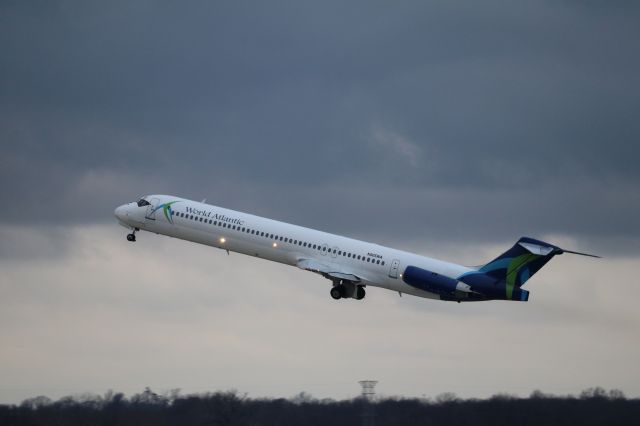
{"x": 445, "y": 128}
{"x": 102, "y": 103}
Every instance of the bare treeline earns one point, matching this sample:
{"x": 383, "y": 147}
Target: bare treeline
{"x": 593, "y": 406}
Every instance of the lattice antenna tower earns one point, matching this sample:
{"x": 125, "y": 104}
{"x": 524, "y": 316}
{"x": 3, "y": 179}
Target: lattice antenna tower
{"x": 368, "y": 409}
{"x": 368, "y": 389}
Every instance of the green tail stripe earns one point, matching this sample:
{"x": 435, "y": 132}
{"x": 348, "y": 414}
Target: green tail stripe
{"x": 514, "y": 267}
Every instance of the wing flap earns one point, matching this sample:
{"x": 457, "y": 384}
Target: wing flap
{"x": 322, "y": 269}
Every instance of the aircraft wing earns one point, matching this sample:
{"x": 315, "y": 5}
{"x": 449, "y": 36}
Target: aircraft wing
{"x": 324, "y": 270}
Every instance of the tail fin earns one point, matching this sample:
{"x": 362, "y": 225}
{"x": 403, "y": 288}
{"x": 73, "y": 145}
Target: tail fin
{"x": 504, "y": 276}
{"x": 520, "y": 262}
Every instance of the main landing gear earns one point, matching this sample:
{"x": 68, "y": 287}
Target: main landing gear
{"x": 337, "y": 292}
{"x": 132, "y": 236}
{"x": 344, "y": 290}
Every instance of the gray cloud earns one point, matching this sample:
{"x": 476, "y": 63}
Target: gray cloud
{"x": 490, "y": 120}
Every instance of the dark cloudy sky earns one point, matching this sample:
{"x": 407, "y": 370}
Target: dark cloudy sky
{"x": 446, "y": 128}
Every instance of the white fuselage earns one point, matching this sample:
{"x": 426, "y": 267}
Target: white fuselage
{"x": 372, "y": 264}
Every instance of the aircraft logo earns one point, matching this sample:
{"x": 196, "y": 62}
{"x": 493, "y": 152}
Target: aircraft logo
{"x": 166, "y": 209}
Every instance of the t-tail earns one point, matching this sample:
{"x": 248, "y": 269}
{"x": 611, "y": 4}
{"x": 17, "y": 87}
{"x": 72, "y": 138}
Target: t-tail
{"x": 503, "y": 277}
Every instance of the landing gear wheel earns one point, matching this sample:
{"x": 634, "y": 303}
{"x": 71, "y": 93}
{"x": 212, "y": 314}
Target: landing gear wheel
{"x": 336, "y": 292}
{"x": 131, "y": 237}
{"x": 360, "y": 293}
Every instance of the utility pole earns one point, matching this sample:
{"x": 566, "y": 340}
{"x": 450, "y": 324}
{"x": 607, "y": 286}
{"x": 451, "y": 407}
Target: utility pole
{"x": 368, "y": 395}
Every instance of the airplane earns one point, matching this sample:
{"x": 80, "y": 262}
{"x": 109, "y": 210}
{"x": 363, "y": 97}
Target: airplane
{"x": 350, "y": 265}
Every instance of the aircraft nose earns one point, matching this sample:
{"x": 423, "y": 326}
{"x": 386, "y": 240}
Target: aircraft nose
{"x": 121, "y": 213}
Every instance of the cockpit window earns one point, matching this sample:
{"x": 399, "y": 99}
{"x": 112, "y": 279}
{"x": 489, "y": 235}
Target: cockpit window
{"x": 142, "y": 202}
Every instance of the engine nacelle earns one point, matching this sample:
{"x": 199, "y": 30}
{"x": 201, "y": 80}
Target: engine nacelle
{"x": 433, "y": 282}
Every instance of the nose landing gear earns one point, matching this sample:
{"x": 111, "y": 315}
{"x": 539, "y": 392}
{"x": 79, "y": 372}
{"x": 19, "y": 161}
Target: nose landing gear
{"x": 132, "y": 236}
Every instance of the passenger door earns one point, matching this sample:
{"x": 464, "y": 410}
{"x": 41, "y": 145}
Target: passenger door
{"x": 395, "y": 265}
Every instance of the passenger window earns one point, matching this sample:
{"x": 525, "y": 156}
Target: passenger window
{"x": 383, "y": 263}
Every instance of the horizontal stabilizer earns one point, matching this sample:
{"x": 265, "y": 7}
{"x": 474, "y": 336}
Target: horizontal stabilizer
{"x": 581, "y": 254}
{"x": 539, "y": 249}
